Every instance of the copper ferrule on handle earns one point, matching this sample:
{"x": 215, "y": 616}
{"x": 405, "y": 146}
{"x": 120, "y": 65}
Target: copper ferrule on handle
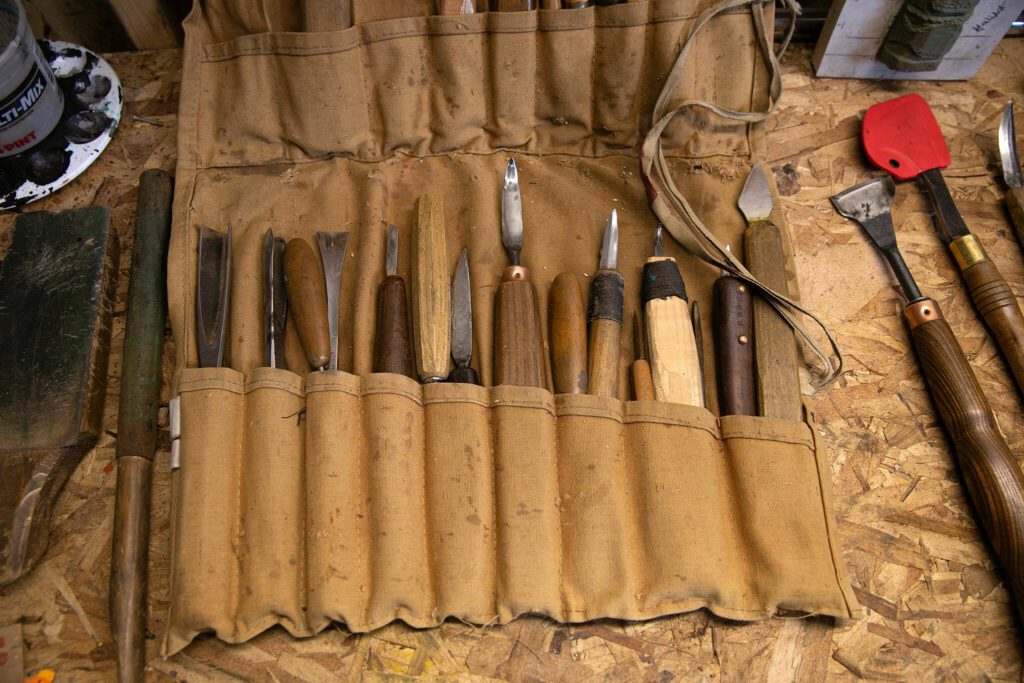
{"x": 967, "y": 251}
{"x": 516, "y": 273}
{"x": 922, "y": 311}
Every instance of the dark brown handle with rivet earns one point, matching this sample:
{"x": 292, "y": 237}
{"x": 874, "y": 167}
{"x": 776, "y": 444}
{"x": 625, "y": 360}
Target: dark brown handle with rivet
{"x": 518, "y": 346}
{"x": 567, "y": 325}
{"x": 993, "y": 477}
{"x": 307, "y": 301}
{"x": 734, "y": 347}
{"x": 1015, "y": 204}
{"x": 393, "y": 351}
{"x": 996, "y": 303}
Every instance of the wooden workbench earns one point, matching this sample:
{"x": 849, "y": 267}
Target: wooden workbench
{"x": 935, "y": 606}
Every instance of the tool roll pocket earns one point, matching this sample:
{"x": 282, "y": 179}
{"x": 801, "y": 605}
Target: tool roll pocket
{"x": 306, "y": 499}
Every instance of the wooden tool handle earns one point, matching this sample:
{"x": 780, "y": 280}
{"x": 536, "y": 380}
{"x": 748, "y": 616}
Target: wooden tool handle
{"x": 512, "y": 5}
{"x": 996, "y": 303}
{"x": 643, "y": 384}
{"x": 307, "y": 300}
{"x": 778, "y": 380}
{"x": 734, "y": 347}
{"x": 675, "y": 362}
{"x": 431, "y": 291}
{"x": 518, "y": 345}
{"x": 393, "y": 351}
{"x": 993, "y": 477}
{"x": 605, "y": 318}
{"x": 567, "y": 323}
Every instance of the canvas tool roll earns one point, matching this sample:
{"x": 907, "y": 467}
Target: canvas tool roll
{"x": 304, "y": 497}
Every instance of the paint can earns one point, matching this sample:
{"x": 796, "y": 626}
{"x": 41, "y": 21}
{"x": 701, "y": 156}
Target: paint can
{"x": 31, "y": 103}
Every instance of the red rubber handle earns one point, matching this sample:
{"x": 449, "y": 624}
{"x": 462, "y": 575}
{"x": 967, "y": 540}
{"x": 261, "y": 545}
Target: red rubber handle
{"x": 901, "y": 136}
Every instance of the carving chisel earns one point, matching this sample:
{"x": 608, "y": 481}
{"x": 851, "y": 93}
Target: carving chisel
{"x": 275, "y": 303}
{"x": 213, "y": 294}
{"x": 307, "y": 300}
{"x": 778, "y": 380}
{"x": 462, "y": 325}
{"x": 431, "y": 291}
{"x": 902, "y": 137}
{"x": 605, "y": 316}
{"x": 332, "y": 253}
{"x": 567, "y": 325}
{"x": 643, "y": 386}
{"x": 993, "y": 476}
{"x": 698, "y": 340}
{"x": 518, "y": 345}
{"x": 675, "y": 365}
{"x": 1011, "y": 171}
{"x": 393, "y": 352}
{"x": 734, "y": 346}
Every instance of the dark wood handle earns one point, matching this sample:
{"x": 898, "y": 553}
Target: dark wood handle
{"x": 567, "y": 325}
{"x": 643, "y": 385}
{"x": 463, "y": 376}
{"x": 996, "y": 303}
{"x": 734, "y": 347}
{"x": 993, "y": 477}
{"x": 307, "y": 301}
{"x": 1015, "y": 203}
{"x": 518, "y": 346}
{"x": 393, "y": 351}
{"x": 778, "y": 379}
{"x": 512, "y": 5}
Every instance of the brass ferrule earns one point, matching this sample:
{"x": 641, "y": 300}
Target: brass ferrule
{"x": 515, "y": 273}
{"x": 921, "y": 312}
{"x": 967, "y": 251}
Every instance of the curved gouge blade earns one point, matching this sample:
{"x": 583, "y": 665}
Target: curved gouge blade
{"x": 512, "y": 214}
{"x": 1008, "y": 149}
{"x": 332, "y": 253}
{"x": 213, "y": 291}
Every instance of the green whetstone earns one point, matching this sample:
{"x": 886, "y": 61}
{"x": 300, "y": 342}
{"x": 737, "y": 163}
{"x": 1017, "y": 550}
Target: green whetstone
{"x": 922, "y": 32}
{"x": 56, "y": 294}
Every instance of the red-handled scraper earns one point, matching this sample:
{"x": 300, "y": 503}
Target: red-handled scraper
{"x": 902, "y": 137}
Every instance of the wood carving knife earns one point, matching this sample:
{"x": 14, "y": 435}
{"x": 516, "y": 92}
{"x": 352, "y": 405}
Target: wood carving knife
{"x": 993, "y": 477}
{"x": 567, "y": 326}
{"x": 675, "y": 364}
{"x": 643, "y": 385}
{"x": 462, "y": 324}
{"x": 307, "y": 300}
{"x": 393, "y": 351}
{"x": 1011, "y": 171}
{"x": 901, "y": 136}
{"x": 778, "y": 380}
{"x": 605, "y": 316}
{"x": 213, "y": 295}
{"x": 332, "y": 253}
{"x": 431, "y": 291}
{"x": 734, "y": 346}
{"x": 518, "y": 342}
{"x": 275, "y": 302}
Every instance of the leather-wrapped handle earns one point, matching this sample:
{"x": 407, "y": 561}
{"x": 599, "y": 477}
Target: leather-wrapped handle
{"x": 734, "y": 347}
{"x": 393, "y": 350}
{"x": 1015, "y": 204}
{"x": 993, "y": 477}
{"x": 994, "y": 301}
{"x": 518, "y": 345}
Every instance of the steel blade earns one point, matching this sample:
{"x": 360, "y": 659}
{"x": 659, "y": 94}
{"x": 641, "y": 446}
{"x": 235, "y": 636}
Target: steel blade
{"x": 512, "y": 213}
{"x": 1008, "y": 149}
{"x": 332, "y": 253}
{"x": 462, "y": 314}
{"x": 391, "y": 255}
{"x": 756, "y": 198}
{"x": 610, "y": 245}
{"x": 659, "y": 243}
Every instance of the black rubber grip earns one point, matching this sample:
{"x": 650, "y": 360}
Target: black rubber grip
{"x": 662, "y": 281}
{"x": 463, "y": 376}
{"x": 606, "y": 297}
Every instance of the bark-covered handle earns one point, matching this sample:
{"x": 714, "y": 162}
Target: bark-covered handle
{"x": 734, "y": 347}
{"x": 993, "y": 477}
{"x": 518, "y": 345}
{"x": 997, "y": 304}
{"x": 393, "y": 351}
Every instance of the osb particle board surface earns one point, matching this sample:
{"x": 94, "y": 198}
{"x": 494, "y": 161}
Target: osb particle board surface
{"x": 936, "y": 608}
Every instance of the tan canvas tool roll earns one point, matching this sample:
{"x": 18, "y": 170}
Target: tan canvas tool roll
{"x": 304, "y": 498}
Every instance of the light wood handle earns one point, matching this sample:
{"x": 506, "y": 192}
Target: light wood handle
{"x": 778, "y": 379}
{"x": 1015, "y": 203}
{"x": 518, "y": 344}
{"x": 993, "y": 477}
{"x": 431, "y": 287}
{"x": 996, "y": 303}
{"x": 672, "y": 347}
{"x": 393, "y": 351}
{"x": 734, "y": 347}
{"x": 643, "y": 384}
{"x": 603, "y": 349}
{"x": 567, "y": 324}
{"x": 307, "y": 301}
